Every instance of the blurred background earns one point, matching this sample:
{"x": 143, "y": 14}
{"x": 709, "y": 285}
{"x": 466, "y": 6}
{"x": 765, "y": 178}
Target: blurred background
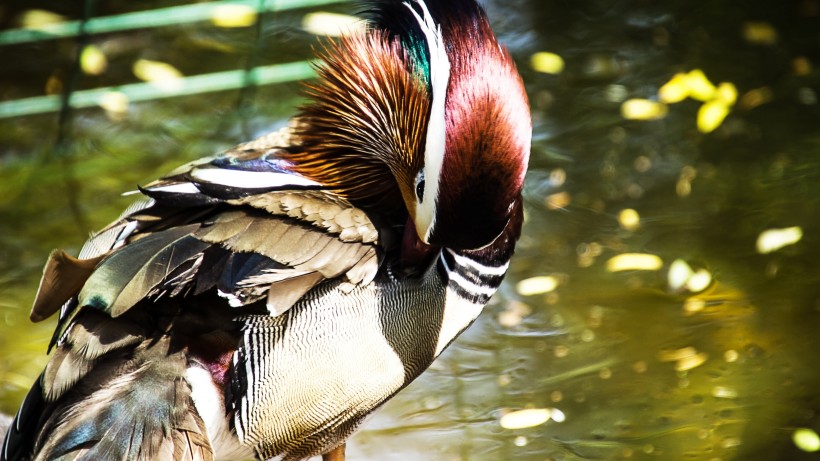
{"x": 664, "y": 302}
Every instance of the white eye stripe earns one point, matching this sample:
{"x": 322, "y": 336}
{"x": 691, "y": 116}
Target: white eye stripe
{"x": 435, "y": 142}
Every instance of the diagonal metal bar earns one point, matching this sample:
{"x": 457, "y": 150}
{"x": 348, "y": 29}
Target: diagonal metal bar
{"x": 160, "y": 17}
{"x": 205, "y": 83}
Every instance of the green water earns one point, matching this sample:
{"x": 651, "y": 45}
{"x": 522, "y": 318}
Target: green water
{"x": 639, "y": 369}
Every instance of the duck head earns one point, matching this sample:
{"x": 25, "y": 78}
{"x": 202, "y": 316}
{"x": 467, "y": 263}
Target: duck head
{"x": 426, "y": 112}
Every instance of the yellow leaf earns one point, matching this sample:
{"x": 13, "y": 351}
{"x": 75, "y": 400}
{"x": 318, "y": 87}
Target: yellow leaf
{"x": 774, "y": 239}
{"x": 699, "y": 281}
{"x": 547, "y": 63}
{"x": 679, "y": 273}
{"x": 723, "y": 392}
{"x": 525, "y": 418}
{"x": 643, "y": 109}
{"x": 673, "y": 355}
{"x": 806, "y": 440}
{"x": 700, "y": 87}
{"x": 558, "y": 200}
{"x": 537, "y": 285}
{"x": 233, "y": 16}
{"x": 93, "y": 61}
{"x": 331, "y": 24}
{"x": 675, "y": 90}
{"x": 801, "y": 66}
{"x": 629, "y": 219}
{"x": 692, "y": 361}
{"x": 711, "y": 115}
{"x": 727, "y": 93}
{"x": 761, "y": 33}
{"x": 159, "y": 73}
{"x": 38, "y": 19}
{"x": 115, "y": 102}
{"x": 634, "y": 262}
{"x": 756, "y": 97}
{"x": 54, "y": 85}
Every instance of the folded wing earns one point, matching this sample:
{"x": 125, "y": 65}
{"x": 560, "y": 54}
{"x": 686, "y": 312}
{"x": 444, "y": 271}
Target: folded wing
{"x": 239, "y": 232}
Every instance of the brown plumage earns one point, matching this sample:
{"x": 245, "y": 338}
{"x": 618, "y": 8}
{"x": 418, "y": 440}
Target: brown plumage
{"x": 175, "y": 432}
{"x": 63, "y": 276}
{"x": 363, "y": 133}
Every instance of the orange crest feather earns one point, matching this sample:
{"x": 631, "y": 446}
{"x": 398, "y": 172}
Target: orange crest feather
{"x": 363, "y": 133}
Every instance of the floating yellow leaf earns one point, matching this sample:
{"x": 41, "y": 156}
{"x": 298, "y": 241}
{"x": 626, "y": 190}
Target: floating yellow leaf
{"x": 711, "y": 115}
{"x": 730, "y": 442}
{"x": 801, "y": 66}
{"x": 693, "y": 305}
{"x": 806, "y": 440}
{"x": 643, "y": 109}
{"x": 699, "y": 281}
{"x": 723, "y": 392}
{"x": 692, "y": 361}
{"x": 54, "y": 85}
{"x": 159, "y": 73}
{"x": 675, "y": 90}
{"x": 634, "y": 262}
{"x": 679, "y": 274}
{"x": 673, "y": 355}
{"x": 37, "y": 19}
{"x": 233, "y": 15}
{"x": 700, "y": 87}
{"x": 331, "y": 24}
{"x": 761, "y": 33}
{"x": 525, "y": 418}
{"x": 93, "y": 61}
{"x": 629, "y": 219}
{"x": 546, "y": 62}
{"x": 756, "y": 97}
{"x": 774, "y": 239}
{"x": 114, "y": 102}
{"x": 727, "y": 93}
{"x": 558, "y": 200}
{"x": 537, "y": 285}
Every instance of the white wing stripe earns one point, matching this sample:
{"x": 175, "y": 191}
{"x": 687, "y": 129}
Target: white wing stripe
{"x": 242, "y": 179}
{"x": 180, "y": 188}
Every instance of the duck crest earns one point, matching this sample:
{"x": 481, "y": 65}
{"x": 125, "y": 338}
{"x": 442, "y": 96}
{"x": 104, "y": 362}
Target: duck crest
{"x": 364, "y": 129}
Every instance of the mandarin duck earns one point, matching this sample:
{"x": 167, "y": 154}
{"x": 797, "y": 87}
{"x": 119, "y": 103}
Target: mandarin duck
{"x": 258, "y": 304}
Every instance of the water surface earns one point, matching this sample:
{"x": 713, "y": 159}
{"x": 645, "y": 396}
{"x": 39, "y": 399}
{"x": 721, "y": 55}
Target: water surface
{"x": 716, "y": 361}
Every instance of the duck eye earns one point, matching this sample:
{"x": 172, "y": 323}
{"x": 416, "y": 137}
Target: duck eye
{"x": 420, "y": 186}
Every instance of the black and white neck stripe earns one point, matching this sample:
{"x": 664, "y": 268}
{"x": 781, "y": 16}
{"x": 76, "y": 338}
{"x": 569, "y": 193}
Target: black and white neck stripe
{"x": 473, "y": 280}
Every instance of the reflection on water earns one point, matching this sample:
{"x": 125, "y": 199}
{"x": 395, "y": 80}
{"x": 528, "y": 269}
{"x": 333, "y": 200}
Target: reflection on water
{"x": 664, "y": 300}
